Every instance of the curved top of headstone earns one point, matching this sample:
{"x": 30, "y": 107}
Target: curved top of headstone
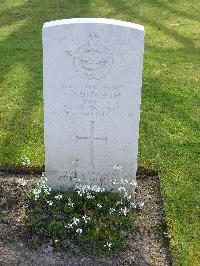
{"x": 94, "y": 21}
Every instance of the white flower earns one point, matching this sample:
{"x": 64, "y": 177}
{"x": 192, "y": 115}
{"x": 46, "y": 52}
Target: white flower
{"x": 69, "y": 226}
{"x": 36, "y": 193}
{"x": 50, "y": 202}
{"x": 70, "y": 203}
{"x": 99, "y": 205}
{"x": 87, "y": 188}
{"x": 76, "y": 221}
{"x": 86, "y": 218}
{"x": 89, "y": 196}
{"x": 133, "y": 205}
{"x": 97, "y": 189}
{"x": 124, "y": 211}
{"x": 58, "y": 196}
{"x": 112, "y": 210}
{"x": 82, "y": 189}
{"x": 128, "y": 196}
{"x": 46, "y": 191}
{"x": 44, "y": 179}
{"x": 108, "y": 245}
{"x": 79, "y": 230}
{"x": 80, "y": 193}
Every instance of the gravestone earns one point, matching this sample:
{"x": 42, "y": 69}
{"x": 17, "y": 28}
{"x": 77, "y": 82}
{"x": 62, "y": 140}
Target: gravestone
{"x": 92, "y": 93}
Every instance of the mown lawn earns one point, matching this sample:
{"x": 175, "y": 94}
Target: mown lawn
{"x": 169, "y": 131}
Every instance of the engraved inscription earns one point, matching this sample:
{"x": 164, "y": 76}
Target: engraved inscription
{"x": 93, "y": 100}
{"x": 91, "y": 140}
{"x": 92, "y": 60}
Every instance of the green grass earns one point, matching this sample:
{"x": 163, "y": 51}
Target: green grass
{"x": 169, "y": 131}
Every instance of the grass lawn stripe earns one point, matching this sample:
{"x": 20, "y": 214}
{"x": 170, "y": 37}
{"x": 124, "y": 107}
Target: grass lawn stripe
{"x": 169, "y": 130}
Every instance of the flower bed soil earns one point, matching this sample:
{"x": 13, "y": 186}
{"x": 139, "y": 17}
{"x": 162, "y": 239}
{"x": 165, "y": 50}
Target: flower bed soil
{"x": 147, "y": 246}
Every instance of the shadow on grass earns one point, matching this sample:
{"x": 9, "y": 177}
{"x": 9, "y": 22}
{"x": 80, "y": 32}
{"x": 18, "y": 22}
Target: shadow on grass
{"x": 22, "y": 48}
{"x": 133, "y": 11}
{"x": 169, "y": 7}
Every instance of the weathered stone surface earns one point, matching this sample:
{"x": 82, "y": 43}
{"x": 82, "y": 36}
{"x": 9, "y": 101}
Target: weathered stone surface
{"x": 92, "y": 94}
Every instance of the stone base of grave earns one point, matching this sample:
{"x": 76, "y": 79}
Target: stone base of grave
{"x": 148, "y": 246}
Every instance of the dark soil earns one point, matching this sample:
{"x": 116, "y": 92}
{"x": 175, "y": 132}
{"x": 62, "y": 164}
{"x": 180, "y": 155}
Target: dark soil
{"x": 148, "y": 246}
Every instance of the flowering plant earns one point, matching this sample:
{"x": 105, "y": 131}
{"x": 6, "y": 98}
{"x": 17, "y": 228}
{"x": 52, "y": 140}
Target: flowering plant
{"x": 87, "y": 216}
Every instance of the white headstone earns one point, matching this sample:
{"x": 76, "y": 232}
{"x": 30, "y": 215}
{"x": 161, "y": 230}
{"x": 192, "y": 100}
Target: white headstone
{"x": 92, "y": 94}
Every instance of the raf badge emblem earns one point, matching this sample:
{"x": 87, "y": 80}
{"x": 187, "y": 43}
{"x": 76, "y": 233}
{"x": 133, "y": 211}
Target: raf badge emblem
{"x": 92, "y": 60}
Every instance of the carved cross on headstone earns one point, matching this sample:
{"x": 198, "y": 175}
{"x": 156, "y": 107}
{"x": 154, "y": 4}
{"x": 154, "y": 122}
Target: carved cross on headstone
{"x": 91, "y": 140}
